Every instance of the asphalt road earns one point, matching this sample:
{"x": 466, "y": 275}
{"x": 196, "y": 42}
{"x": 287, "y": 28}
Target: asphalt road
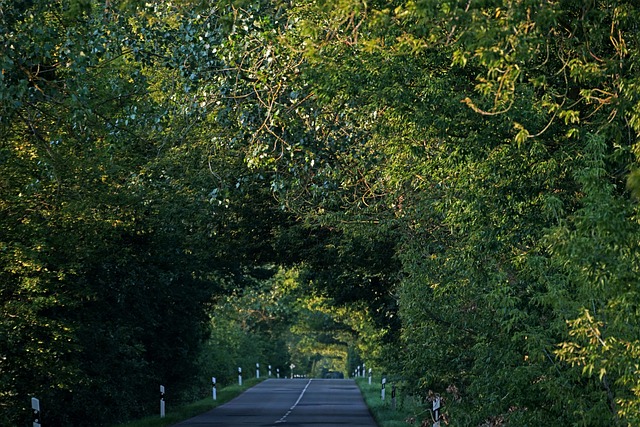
{"x": 291, "y": 403}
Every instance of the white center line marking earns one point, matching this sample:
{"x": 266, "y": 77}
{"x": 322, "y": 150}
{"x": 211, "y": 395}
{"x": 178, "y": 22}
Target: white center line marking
{"x": 284, "y": 418}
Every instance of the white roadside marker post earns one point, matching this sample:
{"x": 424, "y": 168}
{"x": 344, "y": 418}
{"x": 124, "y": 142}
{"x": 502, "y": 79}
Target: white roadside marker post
{"x": 162, "y": 407}
{"x": 278, "y": 373}
{"x": 269, "y": 371}
{"x": 35, "y": 405}
{"x": 292, "y": 366}
{"x": 384, "y": 382}
{"x": 239, "y": 376}
{"x": 257, "y": 370}
{"x": 214, "y": 391}
{"x": 436, "y": 411}
{"x": 369, "y": 376}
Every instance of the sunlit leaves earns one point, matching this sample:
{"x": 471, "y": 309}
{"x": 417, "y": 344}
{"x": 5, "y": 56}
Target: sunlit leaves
{"x": 464, "y": 159}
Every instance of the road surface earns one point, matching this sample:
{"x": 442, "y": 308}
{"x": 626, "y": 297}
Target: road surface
{"x": 291, "y": 403}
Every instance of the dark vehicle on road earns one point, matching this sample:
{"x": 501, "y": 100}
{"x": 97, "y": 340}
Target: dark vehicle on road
{"x": 333, "y": 375}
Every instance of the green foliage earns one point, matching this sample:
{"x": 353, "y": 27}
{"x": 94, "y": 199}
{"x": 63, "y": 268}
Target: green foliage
{"x": 476, "y": 208}
{"x": 250, "y": 326}
{"x": 280, "y": 320}
{"x": 96, "y": 271}
{"x": 407, "y": 411}
{"x": 435, "y": 187}
{"x": 599, "y": 249}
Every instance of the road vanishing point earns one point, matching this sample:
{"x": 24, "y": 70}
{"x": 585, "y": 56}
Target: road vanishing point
{"x": 291, "y": 403}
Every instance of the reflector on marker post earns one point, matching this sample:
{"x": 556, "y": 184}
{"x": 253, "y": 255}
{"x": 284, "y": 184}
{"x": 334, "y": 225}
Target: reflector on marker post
{"x": 393, "y": 396}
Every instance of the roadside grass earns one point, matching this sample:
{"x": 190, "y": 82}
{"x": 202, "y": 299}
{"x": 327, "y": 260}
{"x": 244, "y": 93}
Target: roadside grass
{"x": 408, "y": 412}
{"x": 184, "y": 412}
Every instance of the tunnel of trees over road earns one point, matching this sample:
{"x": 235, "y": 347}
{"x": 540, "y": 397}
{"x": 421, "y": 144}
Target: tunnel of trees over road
{"x": 446, "y": 190}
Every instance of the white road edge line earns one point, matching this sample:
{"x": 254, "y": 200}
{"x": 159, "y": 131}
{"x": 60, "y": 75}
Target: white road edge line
{"x": 284, "y": 418}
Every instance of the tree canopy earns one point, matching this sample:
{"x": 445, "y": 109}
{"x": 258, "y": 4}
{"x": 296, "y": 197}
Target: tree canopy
{"x": 447, "y": 190}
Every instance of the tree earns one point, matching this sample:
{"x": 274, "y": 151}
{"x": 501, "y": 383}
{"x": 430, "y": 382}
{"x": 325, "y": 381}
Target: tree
{"x": 448, "y": 177}
{"x": 455, "y": 127}
{"x": 94, "y": 278}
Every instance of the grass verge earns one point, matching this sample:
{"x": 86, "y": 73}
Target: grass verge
{"x": 407, "y": 412}
{"x": 184, "y": 412}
